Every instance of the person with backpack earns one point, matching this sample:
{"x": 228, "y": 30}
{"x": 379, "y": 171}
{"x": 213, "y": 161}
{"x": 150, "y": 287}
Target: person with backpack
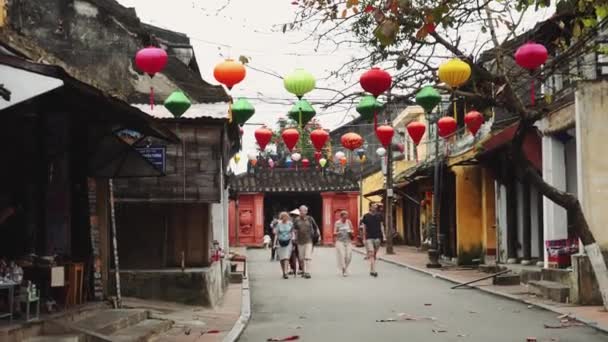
{"x": 307, "y": 235}
{"x": 283, "y": 235}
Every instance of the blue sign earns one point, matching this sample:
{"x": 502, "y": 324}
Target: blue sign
{"x": 155, "y": 155}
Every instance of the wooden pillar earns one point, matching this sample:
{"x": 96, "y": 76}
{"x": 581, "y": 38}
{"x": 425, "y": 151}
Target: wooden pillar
{"x": 511, "y": 221}
{"x": 327, "y": 225}
{"x": 258, "y": 204}
{"x": 527, "y": 229}
{"x": 232, "y": 223}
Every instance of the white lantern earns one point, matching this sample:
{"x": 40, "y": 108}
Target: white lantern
{"x": 381, "y": 151}
{"x": 340, "y": 155}
{"x": 252, "y": 155}
{"x": 296, "y": 157}
{"x": 322, "y": 162}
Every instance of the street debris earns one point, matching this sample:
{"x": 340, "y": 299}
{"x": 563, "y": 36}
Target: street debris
{"x": 472, "y": 312}
{"x": 403, "y": 317}
{"x": 438, "y": 331}
{"x": 530, "y": 306}
{"x": 428, "y": 304}
{"x": 461, "y": 335}
{"x": 280, "y": 339}
{"x": 187, "y": 332}
{"x": 565, "y": 321}
{"x": 531, "y": 339}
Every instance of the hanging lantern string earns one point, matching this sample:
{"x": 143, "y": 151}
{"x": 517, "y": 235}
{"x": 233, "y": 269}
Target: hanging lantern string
{"x": 532, "y": 91}
{"x": 151, "y": 96}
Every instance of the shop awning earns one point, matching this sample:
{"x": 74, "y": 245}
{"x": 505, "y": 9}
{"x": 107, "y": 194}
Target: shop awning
{"x": 532, "y": 144}
{"x": 379, "y": 192}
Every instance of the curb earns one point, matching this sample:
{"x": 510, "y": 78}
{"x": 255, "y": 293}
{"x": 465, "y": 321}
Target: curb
{"x": 240, "y": 325}
{"x": 591, "y": 324}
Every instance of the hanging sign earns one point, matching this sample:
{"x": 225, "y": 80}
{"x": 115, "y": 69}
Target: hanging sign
{"x": 156, "y": 155}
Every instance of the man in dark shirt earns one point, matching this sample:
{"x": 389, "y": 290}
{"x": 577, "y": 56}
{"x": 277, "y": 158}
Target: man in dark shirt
{"x": 373, "y": 234}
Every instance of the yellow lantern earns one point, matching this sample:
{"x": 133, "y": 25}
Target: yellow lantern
{"x": 454, "y": 72}
{"x": 362, "y": 159}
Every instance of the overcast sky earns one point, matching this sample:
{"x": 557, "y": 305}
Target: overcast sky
{"x": 230, "y": 28}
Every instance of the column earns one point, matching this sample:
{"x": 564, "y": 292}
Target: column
{"x": 327, "y": 225}
{"x": 555, "y": 218}
{"x": 258, "y": 205}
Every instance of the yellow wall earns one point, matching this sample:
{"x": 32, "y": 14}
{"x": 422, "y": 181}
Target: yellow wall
{"x": 371, "y": 183}
{"x": 2, "y": 13}
{"x": 469, "y": 226}
{"x": 488, "y": 211}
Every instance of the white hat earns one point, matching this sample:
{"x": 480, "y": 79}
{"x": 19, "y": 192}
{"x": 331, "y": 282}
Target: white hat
{"x": 296, "y": 211}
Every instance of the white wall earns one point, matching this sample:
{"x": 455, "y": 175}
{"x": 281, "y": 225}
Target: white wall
{"x": 571, "y": 169}
{"x": 501, "y": 222}
{"x": 535, "y": 226}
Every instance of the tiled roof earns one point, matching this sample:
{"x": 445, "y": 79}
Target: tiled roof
{"x": 218, "y": 110}
{"x": 289, "y": 180}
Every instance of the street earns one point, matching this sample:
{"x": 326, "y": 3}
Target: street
{"x": 329, "y": 307}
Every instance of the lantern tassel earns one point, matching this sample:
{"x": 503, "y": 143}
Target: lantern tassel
{"x": 532, "y": 92}
{"x": 151, "y": 98}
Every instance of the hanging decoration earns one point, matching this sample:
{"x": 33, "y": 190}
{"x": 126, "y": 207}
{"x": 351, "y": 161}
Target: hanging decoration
{"x": 241, "y": 131}
{"x": 446, "y": 126}
{"x": 302, "y": 112}
{"x": 177, "y": 103}
{"x": 362, "y": 159}
{"x": 263, "y": 136}
{"x": 151, "y": 60}
{"x": 229, "y": 73}
{"x": 288, "y": 162}
{"x": 376, "y": 81}
{"x": 237, "y": 158}
{"x": 319, "y": 137}
{"x": 339, "y": 155}
{"x": 305, "y": 163}
{"x": 368, "y": 106}
{"x": 322, "y": 162}
{"x": 473, "y": 120}
{"x": 296, "y": 157}
{"x": 531, "y": 56}
{"x": 242, "y": 110}
{"x": 351, "y": 141}
{"x": 385, "y": 134}
{"x": 416, "y": 131}
{"x": 271, "y": 163}
{"x": 318, "y": 156}
{"x": 343, "y": 161}
{"x": 360, "y": 153}
{"x": 454, "y": 73}
{"x": 252, "y": 155}
{"x": 428, "y": 98}
{"x": 400, "y": 147}
{"x": 290, "y": 138}
{"x": 381, "y": 151}
{"x": 300, "y": 82}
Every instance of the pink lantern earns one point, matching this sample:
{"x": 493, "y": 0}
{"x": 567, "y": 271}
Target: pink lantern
{"x": 151, "y": 60}
{"x": 531, "y": 56}
{"x": 305, "y": 163}
{"x": 473, "y": 120}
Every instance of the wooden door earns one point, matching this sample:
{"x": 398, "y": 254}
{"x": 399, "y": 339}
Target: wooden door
{"x": 189, "y": 238}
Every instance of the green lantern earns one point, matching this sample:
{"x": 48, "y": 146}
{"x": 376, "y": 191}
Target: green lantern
{"x": 368, "y": 106}
{"x": 242, "y": 110}
{"x": 304, "y": 107}
{"x": 177, "y": 103}
{"x": 428, "y": 98}
{"x": 300, "y": 82}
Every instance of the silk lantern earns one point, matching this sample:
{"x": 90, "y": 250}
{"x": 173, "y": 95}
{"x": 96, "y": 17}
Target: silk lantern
{"x": 531, "y": 56}
{"x": 237, "y": 158}
{"x": 300, "y": 82}
{"x": 271, "y": 163}
{"x": 368, "y": 107}
{"x": 229, "y": 73}
{"x": 241, "y": 131}
{"x": 473, "y": 120}
{"x": 290, "y": 138}
{"x": 351, "y": 141}
{"x": 446, "y": 126}
{"x": 343, "y": 161}
{"x": 318, "y": 156}
{"x": 385, "y": 134}
{"x": 454, "y": 72}
{"x": 302, "y": 112}
{"x": 375, "y": 81}
{"x": 296, "y": 157}
{"x": 360, "y": 152}
{"x": 428, "y": 98}
{"x": 339, "y": 155}
{"x": 305, "y": 163}
{"x": 263, "y": 136}
{"x": 400, "y": 147}
{"x": 242, "y": 110}
{"x": 151, "y": 60}
{"x": 319, "y": 137}
{"x": 322, "y": 162}
{"x": 177, "y": 103}
{"x": 416, "y": 131}
{"x": 381, "y": 151}
{"x": 252, "y": 155}
{"x": 288, "y": 162}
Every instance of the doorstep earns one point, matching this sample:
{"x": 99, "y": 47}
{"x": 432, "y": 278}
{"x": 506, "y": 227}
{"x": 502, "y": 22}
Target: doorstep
{"x": 414, "y": 259}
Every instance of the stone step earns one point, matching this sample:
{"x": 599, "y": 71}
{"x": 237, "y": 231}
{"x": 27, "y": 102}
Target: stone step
{"x": 142, "y": 331}
{"x": 557, "y": 275}
{"x": 507, "y": 279}
{"x": 57, "y": 338}
{"x": 530, "y": 275}
{"x": 108, "y": 321}
{"x": 550, "y": 290}
{"x": 491, "y": 268}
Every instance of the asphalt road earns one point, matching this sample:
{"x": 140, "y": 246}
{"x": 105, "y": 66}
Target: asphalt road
{"x": 329, "y": 307}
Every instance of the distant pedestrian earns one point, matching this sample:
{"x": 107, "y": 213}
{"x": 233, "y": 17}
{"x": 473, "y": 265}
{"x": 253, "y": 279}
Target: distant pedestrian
{"x": 343, "y": 232}
{"x": 307, "y": 234}
{"x": 283, "y": 235}
{"x": 272, "y": 235}
{"x": 373, "y": 233}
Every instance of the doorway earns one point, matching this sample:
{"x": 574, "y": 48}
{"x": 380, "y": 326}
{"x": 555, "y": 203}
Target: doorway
{"x": 274, "y": 203}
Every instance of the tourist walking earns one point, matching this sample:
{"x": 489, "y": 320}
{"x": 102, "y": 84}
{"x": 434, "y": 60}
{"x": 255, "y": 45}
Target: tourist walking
{"x": 283, "y": 235}
{"x": 373, "y": 234}
{"x": 307, "y": 234}
{"x": 343, "y": 231}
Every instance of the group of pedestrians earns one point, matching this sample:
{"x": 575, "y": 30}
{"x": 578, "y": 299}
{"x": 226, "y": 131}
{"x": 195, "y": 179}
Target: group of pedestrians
{"x": 294, "y": 240}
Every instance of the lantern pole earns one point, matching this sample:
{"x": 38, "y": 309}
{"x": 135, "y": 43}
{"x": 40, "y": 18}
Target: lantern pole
{"x": 388, "y": 214}
{"x": 433, "y": 251}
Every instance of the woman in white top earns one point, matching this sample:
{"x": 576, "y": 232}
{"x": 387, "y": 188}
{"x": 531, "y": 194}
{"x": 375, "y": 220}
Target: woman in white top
{"x": 343, "y": 231}
{"x": 283, "y": 236}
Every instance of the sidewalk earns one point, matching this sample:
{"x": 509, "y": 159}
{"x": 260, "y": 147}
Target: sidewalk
{"x": 416, "y": 260}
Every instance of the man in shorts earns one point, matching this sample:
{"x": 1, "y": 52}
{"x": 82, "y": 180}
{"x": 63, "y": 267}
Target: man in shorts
{"x": 305, "y": 227}
{"x": 373, "y": 234}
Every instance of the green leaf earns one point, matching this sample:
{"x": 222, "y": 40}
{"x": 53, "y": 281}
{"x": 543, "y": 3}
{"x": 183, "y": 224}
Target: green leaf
{"x": 601, "y": 11}
{"x": 589, "y": 22}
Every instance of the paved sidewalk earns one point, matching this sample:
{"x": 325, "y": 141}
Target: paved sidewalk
{"x": 415, "y": 259}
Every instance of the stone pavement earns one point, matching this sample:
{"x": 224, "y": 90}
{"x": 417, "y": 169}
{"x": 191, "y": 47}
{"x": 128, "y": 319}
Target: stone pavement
{"x": 415, "y": 259}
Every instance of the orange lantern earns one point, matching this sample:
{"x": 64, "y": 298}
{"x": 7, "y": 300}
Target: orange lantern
{"x": 351, "y": 141}
{"x": 229, "y": 73}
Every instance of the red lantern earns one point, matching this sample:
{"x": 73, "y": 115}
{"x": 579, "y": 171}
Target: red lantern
{"x": 531, "y": 56}
{"x": 151, "y": 60}
{"x": 343, "y": 161}
{"x": 376, "y": 81}
{"x": 263, "y": 136}
{"x": 385, "y": 134}
{"x": 290, "y": 138}
{"x": 447, "y": 126}
{"x": 318, "y": 156}
{"x": 305, "y": 163}
{"x": 473, "y": 120}
{"x": 241, "y": 130}
{"x": 351, "y": 141}
{"x": 400, "y": 147}
{"x": 229, "y": 73}
{"x": 416, "y": 131}
{"x": 319, "y": 138}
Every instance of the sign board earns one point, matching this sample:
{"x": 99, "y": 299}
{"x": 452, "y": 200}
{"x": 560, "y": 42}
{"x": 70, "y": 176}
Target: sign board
{"x": 155, "y": 155}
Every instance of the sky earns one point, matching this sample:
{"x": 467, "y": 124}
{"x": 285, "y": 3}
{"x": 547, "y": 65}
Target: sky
{"x": 220, "y": 29}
